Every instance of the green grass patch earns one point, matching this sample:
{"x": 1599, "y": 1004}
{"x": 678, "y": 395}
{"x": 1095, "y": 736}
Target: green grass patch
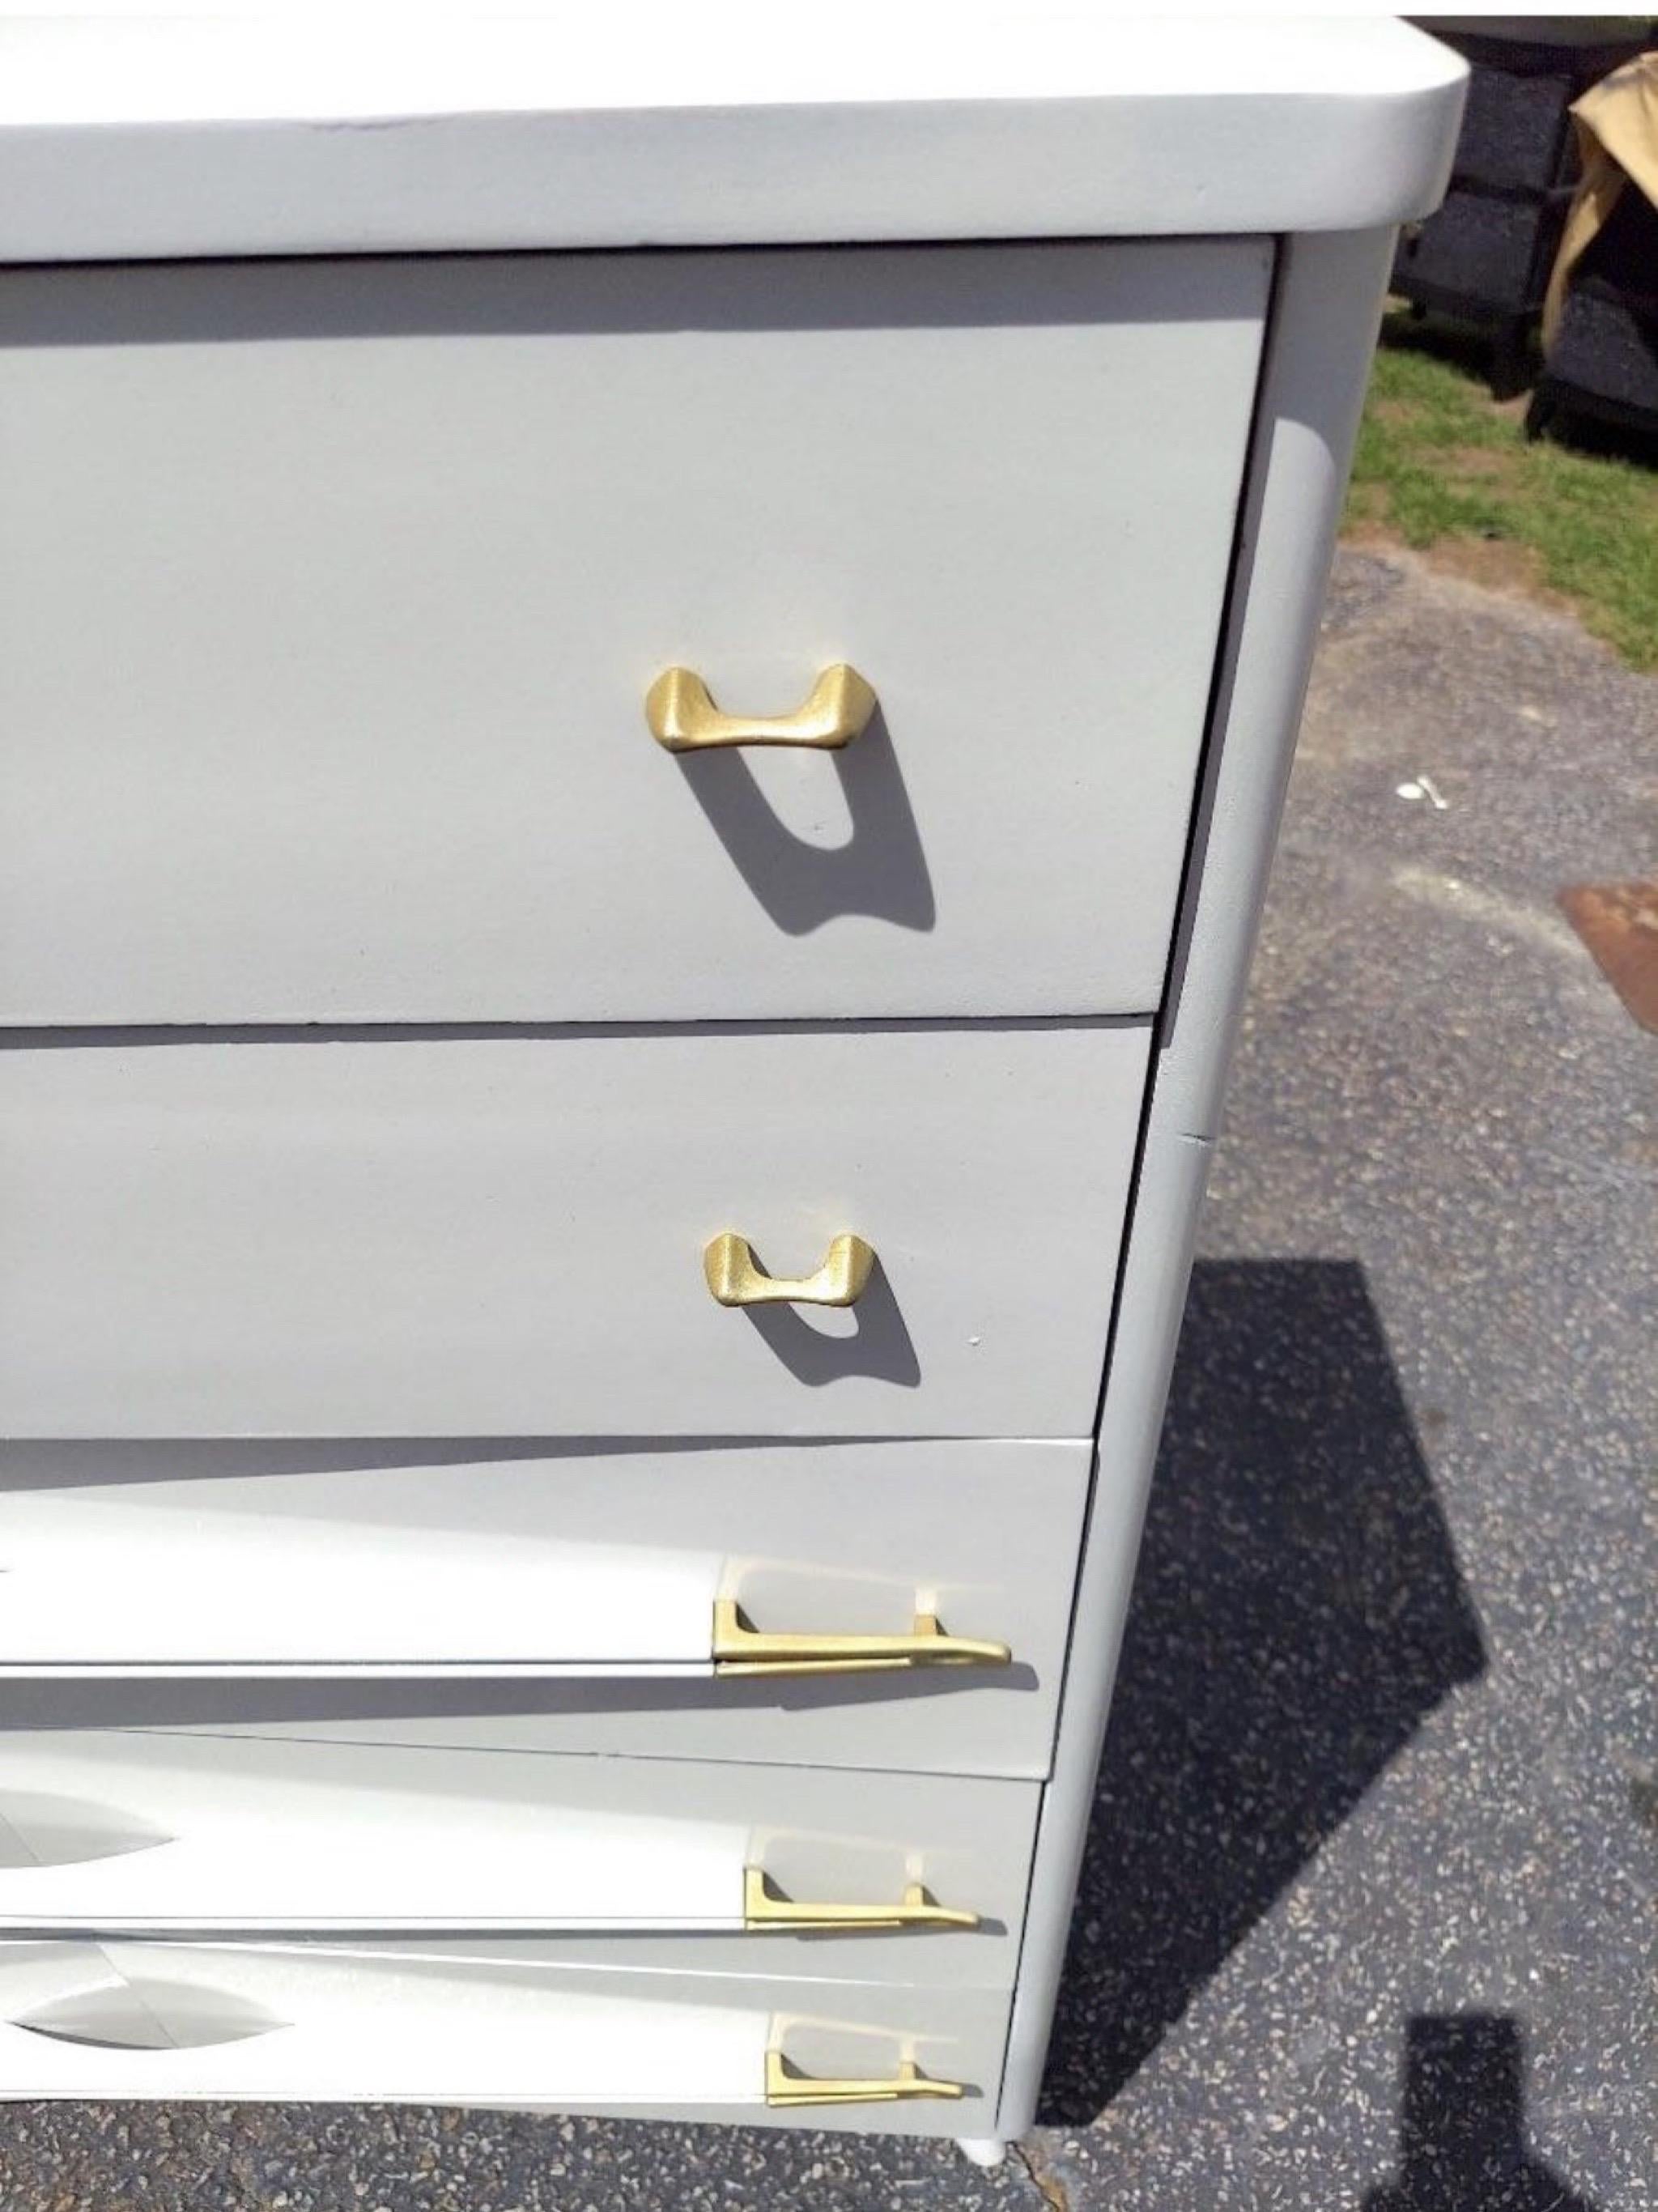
{"x": 1439, "y": 460}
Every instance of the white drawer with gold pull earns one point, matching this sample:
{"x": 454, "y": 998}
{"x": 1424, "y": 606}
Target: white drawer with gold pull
{"x": 121, "y": 2019}
{"x": 181, "y": 1833}
{"x": 509, "y": 1235}
{"x": 737, "y": 1603}
{"x": 403, "y": 565}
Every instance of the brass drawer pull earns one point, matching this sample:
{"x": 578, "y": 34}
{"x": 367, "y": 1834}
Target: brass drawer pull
{"x": 785, "y": 2087}
{"x": 736, "y": 1279}
{"x": 763, "y": 1909}
{"x": 740, "y": 1649}
{"x": 683, "y": 718}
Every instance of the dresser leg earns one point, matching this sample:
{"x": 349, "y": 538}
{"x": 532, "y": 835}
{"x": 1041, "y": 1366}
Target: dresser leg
{"x": 981, "y": 2150}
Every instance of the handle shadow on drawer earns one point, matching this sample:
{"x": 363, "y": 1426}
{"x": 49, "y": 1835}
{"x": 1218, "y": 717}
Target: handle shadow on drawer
{"x": 843, "y": 1604}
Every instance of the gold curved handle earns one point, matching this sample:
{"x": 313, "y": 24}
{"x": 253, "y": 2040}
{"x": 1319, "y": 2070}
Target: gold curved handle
{"x": 740, "y": 1649}
{"x": 736, "y": 1279}
{"x": 786, "y": 2087}
{"x": 683, "y": 718}
{"x": 764, "y": 1910}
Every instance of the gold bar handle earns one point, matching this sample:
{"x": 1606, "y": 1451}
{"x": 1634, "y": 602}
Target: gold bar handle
{"x": 786, "y": 2087}
{"x": 736, "y": 1279}
{"x": 739, "y": 1648}
{"x": 764, "y": 1909}
{"x": 683, "y": 718}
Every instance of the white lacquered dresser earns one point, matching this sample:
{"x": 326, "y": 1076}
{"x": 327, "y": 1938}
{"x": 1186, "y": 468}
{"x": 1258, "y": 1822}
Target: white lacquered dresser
{"x": 643, "y": 687}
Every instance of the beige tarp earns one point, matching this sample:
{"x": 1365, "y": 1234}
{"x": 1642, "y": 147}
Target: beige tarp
{"x": 1617, "y": 125}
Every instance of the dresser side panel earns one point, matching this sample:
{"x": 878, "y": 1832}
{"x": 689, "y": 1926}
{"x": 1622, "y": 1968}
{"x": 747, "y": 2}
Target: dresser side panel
{"x": 1318, "y": 365}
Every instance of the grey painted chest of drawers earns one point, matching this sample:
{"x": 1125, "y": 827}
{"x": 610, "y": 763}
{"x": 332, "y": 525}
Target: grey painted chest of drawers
{"x": 644, "y": 684}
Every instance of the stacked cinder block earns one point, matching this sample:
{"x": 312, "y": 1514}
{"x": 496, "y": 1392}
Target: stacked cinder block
{"x": 1486, "y": 255}
{"x": 1604, "y": 360}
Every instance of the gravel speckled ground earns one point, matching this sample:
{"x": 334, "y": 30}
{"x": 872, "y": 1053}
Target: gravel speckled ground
{"x": 1381, "y": 1769}
{"x": 1367, "y": 1923}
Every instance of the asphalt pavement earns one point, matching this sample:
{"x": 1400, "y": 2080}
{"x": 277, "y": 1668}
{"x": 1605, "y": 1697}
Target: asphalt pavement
{"x": 1368, "y": 1917}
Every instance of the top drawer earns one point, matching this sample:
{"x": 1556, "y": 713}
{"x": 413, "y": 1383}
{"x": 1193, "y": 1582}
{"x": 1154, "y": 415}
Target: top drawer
{"x": 330, "y": 592}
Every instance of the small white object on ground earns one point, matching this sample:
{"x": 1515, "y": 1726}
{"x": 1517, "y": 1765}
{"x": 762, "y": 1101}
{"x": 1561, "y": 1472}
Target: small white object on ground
{"x": 1422, "y": 786}
{"x": 981, "y": 2150}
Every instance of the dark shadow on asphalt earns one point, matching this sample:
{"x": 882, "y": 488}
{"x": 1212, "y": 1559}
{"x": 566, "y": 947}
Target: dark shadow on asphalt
{"x": 1297, "y": 1613}
{"x": 1461, "y": 346}
{"x": 1462, "y": 2130}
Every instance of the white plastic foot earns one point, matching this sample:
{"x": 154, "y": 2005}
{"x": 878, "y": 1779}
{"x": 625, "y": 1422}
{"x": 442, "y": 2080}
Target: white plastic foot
{"x": 981, "y": 2150}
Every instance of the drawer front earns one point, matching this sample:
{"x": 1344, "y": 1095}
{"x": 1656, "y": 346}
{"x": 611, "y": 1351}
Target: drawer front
{"x": 554, "y": 1604}
{"x": 330, "y": 595}
{"x": 876, "y": 1877}
{"x": 486, "y": 1237}
{"x": 150, "y": 2020}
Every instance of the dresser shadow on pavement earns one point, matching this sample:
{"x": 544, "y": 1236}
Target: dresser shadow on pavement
{"x": 880, "y": 870}
{"x": 1297, "y": 1613}
{"x": 1463, "y": 2127}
